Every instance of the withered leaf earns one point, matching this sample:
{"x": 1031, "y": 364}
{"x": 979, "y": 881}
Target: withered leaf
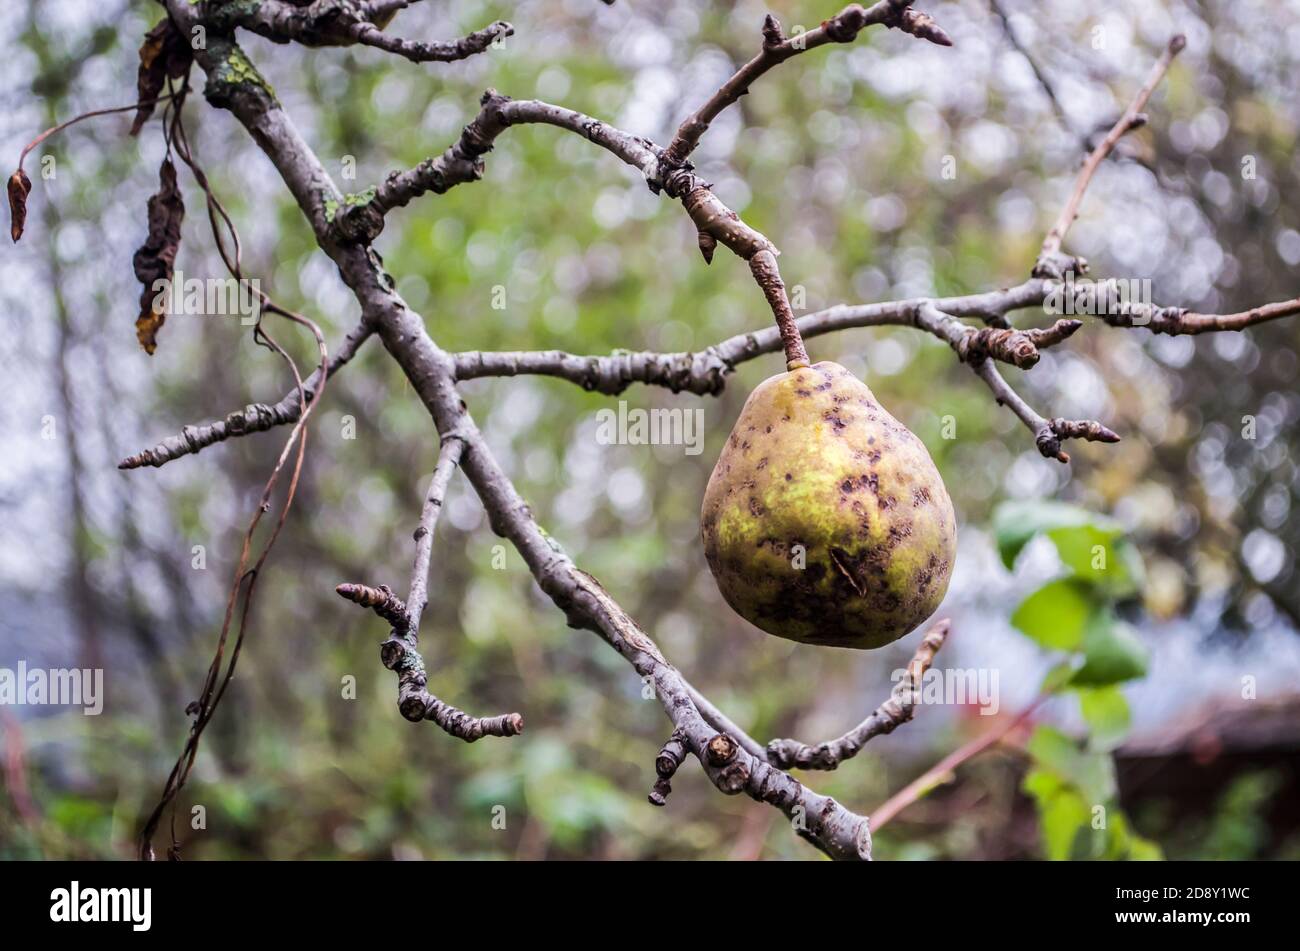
{"x": 20, "y": 186}
{"x": 156, "y": 258}
{"x": 163, "y": 53}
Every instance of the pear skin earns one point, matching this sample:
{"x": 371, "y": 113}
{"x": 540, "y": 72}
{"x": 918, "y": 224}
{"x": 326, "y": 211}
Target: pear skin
{"x": 825, "y": 520}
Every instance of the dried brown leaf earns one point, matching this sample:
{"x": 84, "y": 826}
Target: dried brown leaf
{"x": 156, "y": 259}
{"x": 164, "y": 53}
{"x": 20, "y": 186}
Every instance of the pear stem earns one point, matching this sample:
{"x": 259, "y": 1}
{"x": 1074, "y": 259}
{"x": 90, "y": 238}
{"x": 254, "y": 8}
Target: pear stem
{"x": 763, "y": 266}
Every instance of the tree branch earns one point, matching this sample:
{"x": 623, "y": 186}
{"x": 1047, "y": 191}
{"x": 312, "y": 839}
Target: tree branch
{"x": 1049, "y": 264}
{"x": 367, "y": 34}
{"x": 463, "y": 160}
{"x": 1048, "y": 433}
{"x": 704, "y": 372}
{"x": 1175, "y": 320}
{"x": 448, "y": 460}
{"x": 399, "y": 653}
{"x": 841, "y": 28}
{"x": 253, "y": 418}
{"x": 349, "y": 22}
{"x": 935, "y": 774}
{"x": 897, "y": 710}
{"x": 714, "y": 221}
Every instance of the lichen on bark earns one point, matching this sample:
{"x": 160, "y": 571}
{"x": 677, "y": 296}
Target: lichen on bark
{"x": 232, "y": 72}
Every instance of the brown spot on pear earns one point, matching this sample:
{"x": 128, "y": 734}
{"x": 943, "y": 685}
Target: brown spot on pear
{"x": 800, "y": 553}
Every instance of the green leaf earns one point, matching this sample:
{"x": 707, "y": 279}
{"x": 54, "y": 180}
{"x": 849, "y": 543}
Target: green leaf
{"x": 1057, "y": 614}
{"x": 1144, "y": 850}
{"x": 1015, "y": 523}
{"x": 1098, "y": 554}
{"x": 1112, "y": 653}
{"x": 1107, "y": 714}
{"x": 1063, "y": 813}
{"x": 1091, "y": 773}
{"x": 1122, "y": 843}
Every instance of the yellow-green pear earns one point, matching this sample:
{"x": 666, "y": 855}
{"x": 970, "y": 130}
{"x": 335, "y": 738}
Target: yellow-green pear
{"x": 825, "y": 520}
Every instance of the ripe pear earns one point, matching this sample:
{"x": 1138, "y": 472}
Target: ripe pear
{"x": 825, "y": 520}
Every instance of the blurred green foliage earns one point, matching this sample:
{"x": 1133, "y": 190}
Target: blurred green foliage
{"x": 1072, "y": 780}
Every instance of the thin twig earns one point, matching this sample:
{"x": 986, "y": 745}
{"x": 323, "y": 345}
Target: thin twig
{"x": 1048, "y": 433}
{"x": 1175, "y": 320}
{"x": 448, "y": 460}
{"x": 54, "y": 130}
{"x": 897, "y": 710}
{"x": 400, "y": 654}
{"x": 777, "y": 48}
{"x": 253, "y": 418}
{"x": 1043, "y": 81}
{"x": 463, "y": 160}
{"x": 245, "y": 578}
{"x": 332, "y": 24}
{"x": 935, "y": 775}
{"x": 1131, "y": 119}
{"x": 442, "y": 51}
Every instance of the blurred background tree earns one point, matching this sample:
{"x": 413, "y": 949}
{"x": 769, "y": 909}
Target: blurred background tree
{"x": 841, "y": 161}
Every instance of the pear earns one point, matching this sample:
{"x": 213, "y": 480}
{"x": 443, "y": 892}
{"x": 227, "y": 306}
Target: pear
{"x": 825, "y": 520}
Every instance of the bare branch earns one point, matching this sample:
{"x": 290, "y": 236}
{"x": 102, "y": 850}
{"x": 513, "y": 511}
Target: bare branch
{"x": 841, "y": 28}
{"x": 1048, "y": 433}
{"x": 1176, "y": 320}
{"x": 399, "y": 654}
{"x": 1017, "y": 347}
{"x": 1020, "y": 348}
{"x": 448, "y": 460}
{"x": 714, "y": 221}
{"x": 1046, "y": 84}
{"x": 701, "y": 373}
{"x": 381, "y": 600}
{"x": 253, "y": 418}
{"x": 351, "y": 22}
{"x": 935, "y": 774}
{"x": 897, "y": 710}
{"x": 367, "y": 34}
{"x": 463, "y": 161}
{"x": 704, "y": 372}
{"x": 1048, "y": 264}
